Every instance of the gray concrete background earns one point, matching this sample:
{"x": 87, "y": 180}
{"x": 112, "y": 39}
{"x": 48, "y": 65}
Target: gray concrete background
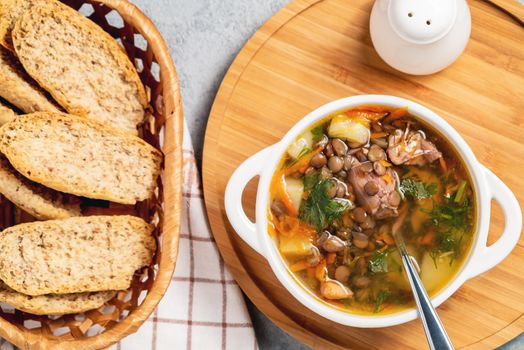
{"x": 204, "y": 37}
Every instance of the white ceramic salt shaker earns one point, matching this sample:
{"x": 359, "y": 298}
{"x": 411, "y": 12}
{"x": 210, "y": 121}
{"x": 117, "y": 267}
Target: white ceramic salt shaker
{"x": 420, "y": 36}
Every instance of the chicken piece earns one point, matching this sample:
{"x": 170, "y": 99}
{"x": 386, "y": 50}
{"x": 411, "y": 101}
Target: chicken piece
{"x": 411, "y": 148}
{"x": 376, "y": 194}
{"x": 431, "y": 152}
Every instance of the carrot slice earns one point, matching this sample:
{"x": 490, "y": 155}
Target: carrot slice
{"x": 388, "y": 178}
{"x": 299, "y": 266}
{"x": 373, "y": 108}
{"x": 284, "y": 197}
{"x": 366, "y": 116}
{"x": 427, "y": 239}
{"x": 330, "y": 258}
{"x": 303, "y": 163}
{"x": 311, "y": 272}
{"x": 377, "y": 135}
{"x": 443, "y": 165}
{"x": 396, "y": 114}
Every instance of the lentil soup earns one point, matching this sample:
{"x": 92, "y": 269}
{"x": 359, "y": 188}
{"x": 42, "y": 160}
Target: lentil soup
{"x": 341, "y": 186}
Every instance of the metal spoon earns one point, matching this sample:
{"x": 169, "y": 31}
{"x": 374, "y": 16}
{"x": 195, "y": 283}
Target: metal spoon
{"x": 436, "y": 335}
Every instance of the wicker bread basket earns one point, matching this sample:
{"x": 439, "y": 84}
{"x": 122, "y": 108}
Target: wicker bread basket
{"x": 128, "y": 310}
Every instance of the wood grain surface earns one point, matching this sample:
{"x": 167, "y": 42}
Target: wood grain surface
{"x": 313, "y": 52}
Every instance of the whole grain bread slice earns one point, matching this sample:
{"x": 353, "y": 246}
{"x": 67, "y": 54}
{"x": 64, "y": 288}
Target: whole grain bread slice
{"x": 80, "y": 65}
{"x": 75, "y": 255}
{"x": 41, "y": 202}
{"x": 54, "y": 304}
{"x": 19, "y": 89}
{"x": 82, "y": 157}
{"x": 10, "y": 11}
{"x": 6, "y": 114}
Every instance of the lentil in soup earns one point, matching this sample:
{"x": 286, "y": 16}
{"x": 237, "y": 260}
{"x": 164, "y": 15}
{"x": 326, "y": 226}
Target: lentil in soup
{"x": 340, "y": 187}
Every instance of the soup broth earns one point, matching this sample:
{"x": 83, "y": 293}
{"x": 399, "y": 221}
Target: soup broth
{"x": 345, "y": 182}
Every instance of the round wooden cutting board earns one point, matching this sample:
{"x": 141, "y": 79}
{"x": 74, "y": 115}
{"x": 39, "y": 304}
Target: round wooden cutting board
{"x": 313, "y": 52}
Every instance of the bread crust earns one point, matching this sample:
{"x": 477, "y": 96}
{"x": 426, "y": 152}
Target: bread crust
{"x": 10, "y": 11}
{"x": 20, "y": 89}
{"x": 75, "y": 155}
{"x": 54, "y": 304}
{"x": 41, "y": 202}
{"x": 6, "y": 114}
{"x": 80, "y": 65}
{"x": 75, "y": 255}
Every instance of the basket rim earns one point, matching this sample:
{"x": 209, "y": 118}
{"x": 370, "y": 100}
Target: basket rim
{"x": 172, "y": 150}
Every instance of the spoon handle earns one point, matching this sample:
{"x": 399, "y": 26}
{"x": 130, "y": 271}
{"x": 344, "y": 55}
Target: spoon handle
{"x": 435, "y": 333}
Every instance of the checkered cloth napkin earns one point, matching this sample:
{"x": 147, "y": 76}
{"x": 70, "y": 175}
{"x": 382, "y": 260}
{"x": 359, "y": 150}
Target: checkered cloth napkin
{"x": 203, "y": 307}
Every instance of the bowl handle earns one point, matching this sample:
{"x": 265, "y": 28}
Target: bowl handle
{"x": 495, "y": 253}
{"x": 251, "y": 167}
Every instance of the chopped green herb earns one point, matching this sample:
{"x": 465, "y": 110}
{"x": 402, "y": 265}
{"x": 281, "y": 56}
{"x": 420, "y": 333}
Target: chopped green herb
{"x": 449, "y": 215}
{"x": 311, "y": 179}
{"x": 417, "y": 189}
{"x": 318, "y": 133}
{"x": 434, "y": 255}
{"x": 319, "y": 210}
{"x": 378, "y": 262}
{"x": 446, "y": 242}
{"x": 452, "y": 222}
{"x": 460, "y": 192}
{"x": 381, "y": 297}
{"x": 335, "y": 207}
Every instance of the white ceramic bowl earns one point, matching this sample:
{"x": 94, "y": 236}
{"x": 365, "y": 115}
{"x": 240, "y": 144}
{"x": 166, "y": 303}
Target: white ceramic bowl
{"x": 487, "y": 187}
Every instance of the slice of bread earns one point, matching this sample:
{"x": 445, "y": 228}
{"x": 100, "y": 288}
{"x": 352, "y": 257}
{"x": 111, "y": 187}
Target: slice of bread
{"x": 75, "y": 255}
{"x": 41, "y": 202}
{"x": 82, "y": 157}
{"x": 54, "y": 304}
{"x": 19, "y": 89}
{"x": 80, "y": 65}
{"x": 6, "y": 114}
{"x": 10, "y": 11}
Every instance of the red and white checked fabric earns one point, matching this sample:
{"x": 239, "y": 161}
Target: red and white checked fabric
{"x": 203, "y": 307}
